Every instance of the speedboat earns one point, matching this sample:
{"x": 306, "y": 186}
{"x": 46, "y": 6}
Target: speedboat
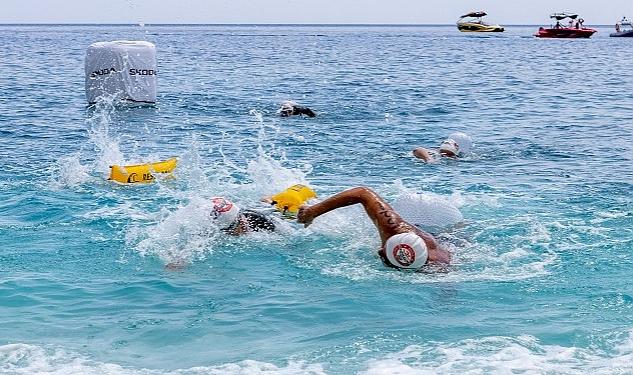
{"x": 473, "y": 22}
{"x": 623, "y": 28}
{"x": 574, "y": 29}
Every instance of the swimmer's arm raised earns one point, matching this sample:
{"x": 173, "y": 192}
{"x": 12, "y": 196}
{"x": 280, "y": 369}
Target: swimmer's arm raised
{"x": 387, "y": 221}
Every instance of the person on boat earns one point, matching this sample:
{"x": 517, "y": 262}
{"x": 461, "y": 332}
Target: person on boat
{"x": 579, "y": 24}
{"x": 456, "y": 145}
{"x": 617, "y": 27}
{"x": 404, "y": 245}
{"x": 290, "y": 108}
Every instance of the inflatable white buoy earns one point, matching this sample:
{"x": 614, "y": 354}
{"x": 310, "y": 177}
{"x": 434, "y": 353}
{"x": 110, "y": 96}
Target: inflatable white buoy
{"x": 427, "y": 211}
{"x": 123, "y": 69}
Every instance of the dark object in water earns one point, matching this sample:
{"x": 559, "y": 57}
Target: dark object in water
{"x": 289, "y": 108}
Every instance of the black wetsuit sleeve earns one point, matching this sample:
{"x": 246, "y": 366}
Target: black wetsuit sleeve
{"x": 307, "y": 111}
{"x": 258, "y": 222}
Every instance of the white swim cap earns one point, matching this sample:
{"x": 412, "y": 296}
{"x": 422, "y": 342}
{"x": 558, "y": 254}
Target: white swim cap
{"x": 406, "y": 250}
{"x": 224, "y": 212}
{"x": 463, "y": 140}
{"x": 449, "y": 145}
{"x": 288, "y": 104}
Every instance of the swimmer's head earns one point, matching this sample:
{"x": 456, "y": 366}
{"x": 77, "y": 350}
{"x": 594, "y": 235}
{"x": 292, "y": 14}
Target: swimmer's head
{"x": 224, "y": 212}
{"x": 287, "y": 108}
{"x": 449, "y": 148}
{"x": 406, "y": 250}
{"x": 463, "y": 140}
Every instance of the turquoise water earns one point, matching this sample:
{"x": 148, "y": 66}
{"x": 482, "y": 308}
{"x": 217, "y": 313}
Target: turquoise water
{"x": 541, "y": 281}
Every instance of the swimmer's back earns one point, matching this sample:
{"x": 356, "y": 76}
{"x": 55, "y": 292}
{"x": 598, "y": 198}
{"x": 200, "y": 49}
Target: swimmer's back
{"x": 257, "y": 221}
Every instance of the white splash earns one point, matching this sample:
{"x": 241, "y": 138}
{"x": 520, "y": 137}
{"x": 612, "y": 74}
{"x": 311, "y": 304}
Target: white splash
{"x": 180, "y": 236}
{"x": 504, "y": 355}
{"x": 68, "y": 172}
{"x": 25, "y": 359}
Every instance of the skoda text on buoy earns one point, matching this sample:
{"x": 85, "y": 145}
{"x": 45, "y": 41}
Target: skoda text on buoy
{"x": 125, "y": 70}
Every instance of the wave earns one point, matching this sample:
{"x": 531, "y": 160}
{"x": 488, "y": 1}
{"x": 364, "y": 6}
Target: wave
{"x": 490, "y": 355}
{"x": 26, "y": 359}
{"x": 505, "y": 355}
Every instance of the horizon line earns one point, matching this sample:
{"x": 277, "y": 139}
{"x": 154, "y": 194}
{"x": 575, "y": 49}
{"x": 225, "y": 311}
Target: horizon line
{"x": 252, "y": 24}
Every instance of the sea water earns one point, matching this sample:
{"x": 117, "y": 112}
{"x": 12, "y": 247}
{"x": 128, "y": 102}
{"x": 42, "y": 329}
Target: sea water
{"x": 542, "y": 272}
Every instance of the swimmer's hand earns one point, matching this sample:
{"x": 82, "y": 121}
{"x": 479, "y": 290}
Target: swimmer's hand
{"x": 304, "y": 216}
{"x": 423, "y": 154}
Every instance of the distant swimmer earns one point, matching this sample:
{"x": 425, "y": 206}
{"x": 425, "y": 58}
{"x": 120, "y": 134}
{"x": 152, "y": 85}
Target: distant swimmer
{"x": 290, "y": 108}
{"x": 456, "y": 145}
{"x": 403, "y": 245}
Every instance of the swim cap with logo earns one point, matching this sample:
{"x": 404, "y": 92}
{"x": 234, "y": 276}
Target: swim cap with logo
{"x": 449, "y": 146}
{"x": 224, "y": 212}
{"x": 463, "y": 140}
{"x": 406, "y": 250}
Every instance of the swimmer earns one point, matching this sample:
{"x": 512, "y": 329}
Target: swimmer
{"x": 456, "y": 145}
{"x": 230, "y": 219}
{"x": 290, "y": 108}
{"x": 403, "y": 245}
{"x": 234, "y": 221}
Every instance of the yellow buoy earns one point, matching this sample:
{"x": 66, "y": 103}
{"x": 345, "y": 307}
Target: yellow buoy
{"x": 289, "y": 200}
{"x": 140, "y": 173}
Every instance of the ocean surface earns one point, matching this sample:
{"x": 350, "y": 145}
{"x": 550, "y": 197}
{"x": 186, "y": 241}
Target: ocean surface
{"x": 542, "y": 279}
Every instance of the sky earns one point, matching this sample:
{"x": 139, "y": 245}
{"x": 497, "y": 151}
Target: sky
{"x": 507, "y": 12}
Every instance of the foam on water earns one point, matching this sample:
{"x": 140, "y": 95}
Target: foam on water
{"x": 180, "y": 236}
{"x": 68, "y": 172}
{"x": 612, "y": 354}
{"x": 505, "y": 355}
{"x": 25, "y": 359}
